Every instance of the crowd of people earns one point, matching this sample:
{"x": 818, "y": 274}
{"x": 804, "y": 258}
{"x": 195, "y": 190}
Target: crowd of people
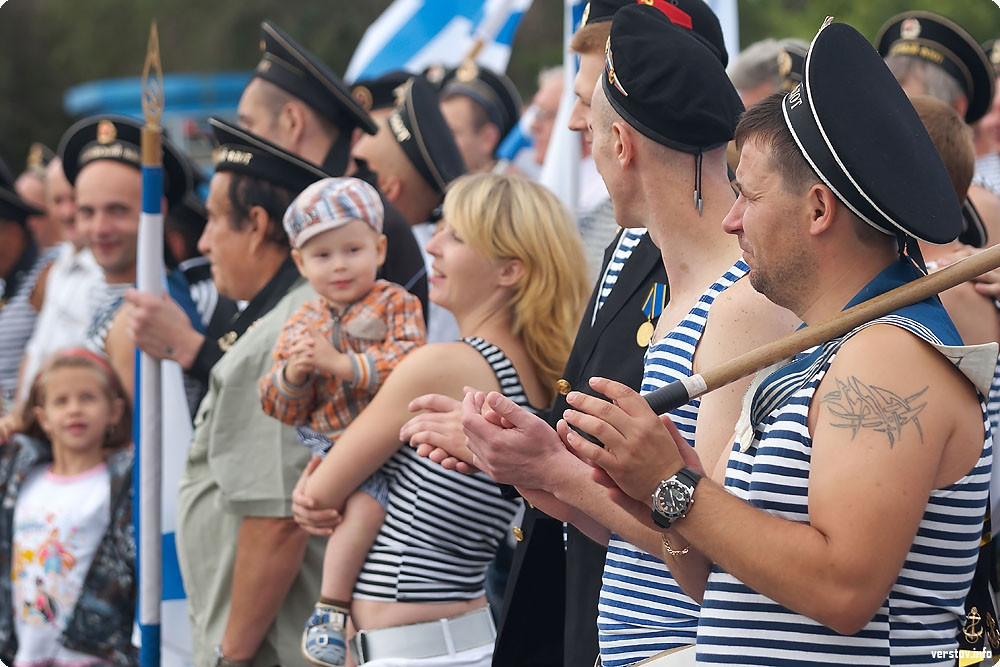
{"x": 416, "y": 442}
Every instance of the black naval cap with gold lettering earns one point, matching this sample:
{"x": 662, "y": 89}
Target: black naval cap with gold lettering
{"x": 667, "y": 84}
{"x": 243, "y": 152}
{"x": 944, "y": 43}
{"x": 855, "y": 127}
{"x": 695, "y": 15}
{"x": 494, "y": 91}
{"x": 380, "y": 93}
{"x": 119, "y": 139}
{"x": 421, "y": 131}
{"x": 298, "y": 72}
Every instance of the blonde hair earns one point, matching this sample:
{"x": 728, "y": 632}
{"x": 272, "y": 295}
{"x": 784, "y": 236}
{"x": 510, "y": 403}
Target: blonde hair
{"x": 509, "y": 217}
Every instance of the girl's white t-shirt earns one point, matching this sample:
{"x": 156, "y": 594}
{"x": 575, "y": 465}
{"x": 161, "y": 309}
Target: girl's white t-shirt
{"x": 59, "y": 522}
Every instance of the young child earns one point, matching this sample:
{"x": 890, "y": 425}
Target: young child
{"x": 67, "y": 548}
{"x": 332, "y": 356}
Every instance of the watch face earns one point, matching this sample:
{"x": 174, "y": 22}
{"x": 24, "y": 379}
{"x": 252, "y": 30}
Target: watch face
{"x": 673, "y": 499}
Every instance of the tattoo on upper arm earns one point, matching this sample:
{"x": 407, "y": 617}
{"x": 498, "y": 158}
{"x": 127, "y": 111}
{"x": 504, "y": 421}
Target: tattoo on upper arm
{"x": 857, "y": 406}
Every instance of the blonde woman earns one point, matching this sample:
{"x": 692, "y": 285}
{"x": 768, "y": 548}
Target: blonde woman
{"x": 508, "y": 263}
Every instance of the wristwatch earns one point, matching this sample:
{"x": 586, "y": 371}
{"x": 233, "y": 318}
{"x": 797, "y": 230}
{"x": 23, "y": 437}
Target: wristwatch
{"x": 222, "y": 661}
{"x": 674, "y": 497}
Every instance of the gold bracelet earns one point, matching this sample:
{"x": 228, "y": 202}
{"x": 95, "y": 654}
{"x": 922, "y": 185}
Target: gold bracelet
{"x": 671, "y": 550}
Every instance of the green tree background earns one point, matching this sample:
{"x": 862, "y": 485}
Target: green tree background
{"x": 50, "y": 45}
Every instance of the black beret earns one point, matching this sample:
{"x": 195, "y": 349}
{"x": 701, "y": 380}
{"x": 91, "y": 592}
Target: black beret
{"x": 695, "y": 15}
{"x": 992, "y": 50}
{"x": 791, "y": 60}
{"x": 937, "y": 40}
{"x": 380, "y": 93}
{"x": 119, "y": 139}
{"x": 420, "y": 129}
{"x": 860, "y": 134}
{"x": 298, "y": 72}
{"x": 666, "y": 82}
{"x": 242, "y": 152}
{"x": 494, "y": 91}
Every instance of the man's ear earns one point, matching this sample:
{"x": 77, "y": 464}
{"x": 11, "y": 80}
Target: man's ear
{"x": 823, "y": 207}
{"x": 511, "y": 273}
{"x": 292, "y": 122}
{"x": 490, "y": 137}
{"x": 624, "y": 143}
{"x": 391, "y": 187}
{"x": 258, "y": 227}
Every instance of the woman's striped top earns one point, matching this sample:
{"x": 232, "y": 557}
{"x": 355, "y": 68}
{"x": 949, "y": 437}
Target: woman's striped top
{"x": 921, "y": 615}
{"x": 642, "y": 610}
{"x": 442, "y": 527}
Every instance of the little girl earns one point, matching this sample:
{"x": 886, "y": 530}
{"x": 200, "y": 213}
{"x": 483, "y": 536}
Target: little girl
{"x": 67, "y": 548}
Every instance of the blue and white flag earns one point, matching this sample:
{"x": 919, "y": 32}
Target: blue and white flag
{"x": 414, "y": 34}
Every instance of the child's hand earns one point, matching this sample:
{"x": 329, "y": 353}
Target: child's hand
{"x": 326, "y": 357}
{"x": 301, "y": 362}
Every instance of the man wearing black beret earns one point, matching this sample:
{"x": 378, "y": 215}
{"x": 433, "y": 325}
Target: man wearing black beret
{"x": 249, "y": 572}
{"x": 552, "y": 597}
{"x": 663, "y": 113}
{"x": 297, "y": 103}
{"x": 844, "y": 525}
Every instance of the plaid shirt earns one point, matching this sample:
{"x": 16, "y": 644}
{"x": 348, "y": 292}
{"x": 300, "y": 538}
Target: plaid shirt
{"x": 376, "y": 332}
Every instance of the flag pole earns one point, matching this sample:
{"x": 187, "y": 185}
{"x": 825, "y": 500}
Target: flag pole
{"x": 561, "y": 170}
{"x": 148, "y": 444}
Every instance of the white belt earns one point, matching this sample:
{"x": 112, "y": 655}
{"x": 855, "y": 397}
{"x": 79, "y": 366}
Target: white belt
{"x": 425, "y": 640}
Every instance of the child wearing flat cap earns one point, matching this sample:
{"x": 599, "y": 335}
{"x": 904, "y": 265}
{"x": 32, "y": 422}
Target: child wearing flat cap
{"x": 333, "y": 355}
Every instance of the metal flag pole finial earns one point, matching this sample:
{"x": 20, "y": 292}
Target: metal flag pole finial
{"x": 152, "y": 102}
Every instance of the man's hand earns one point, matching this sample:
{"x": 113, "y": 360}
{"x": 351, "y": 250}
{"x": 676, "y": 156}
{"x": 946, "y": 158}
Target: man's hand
{"x": 640, "y": 448}
{"x": 511, "y": 445}
{"x": 159, "y": 327}
{"x": 437, "y": 433}
{"x": 314, "y": 520}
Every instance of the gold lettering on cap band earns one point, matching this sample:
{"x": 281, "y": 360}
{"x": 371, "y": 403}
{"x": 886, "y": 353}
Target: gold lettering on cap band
{"x": 231, "y": 156}
{"x": 398, "y": 127}
{"x": 917, "y": 49}
{"x": 109, "y": 152}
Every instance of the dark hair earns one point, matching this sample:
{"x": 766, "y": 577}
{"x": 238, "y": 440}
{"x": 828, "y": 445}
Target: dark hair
{"x": 764, "y": 122}
{"x": 119, "y": 435}
{"x": 245, "y": 192}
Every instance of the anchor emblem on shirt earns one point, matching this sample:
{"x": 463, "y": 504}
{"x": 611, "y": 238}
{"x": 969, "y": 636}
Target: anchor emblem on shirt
{"x": 971, "y": 630}
{"x": 992, "y": 633}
